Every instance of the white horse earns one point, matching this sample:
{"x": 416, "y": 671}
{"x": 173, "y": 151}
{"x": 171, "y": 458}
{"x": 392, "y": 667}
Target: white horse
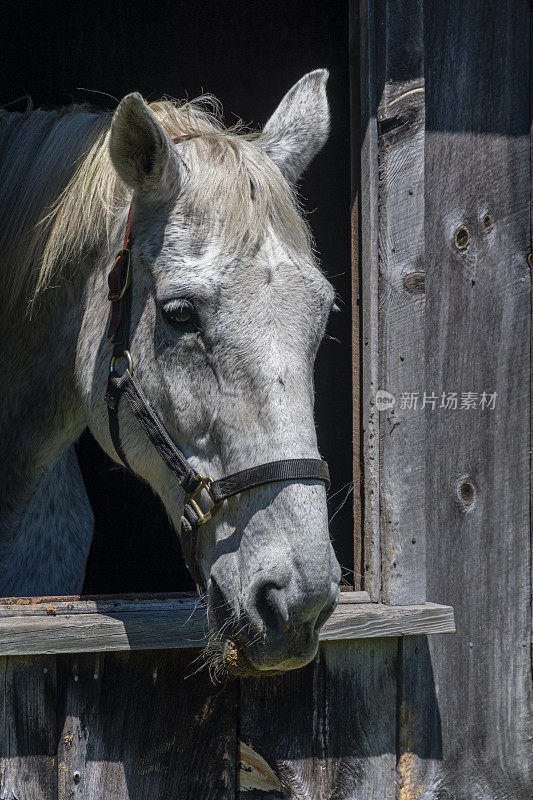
{"x": 228, "y": 310}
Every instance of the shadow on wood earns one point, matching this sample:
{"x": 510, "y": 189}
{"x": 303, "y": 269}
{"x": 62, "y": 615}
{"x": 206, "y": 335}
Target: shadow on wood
{"x": 148, "y": 724}
{"x": 129, "y": 725}
{"x": 361, "y": 721}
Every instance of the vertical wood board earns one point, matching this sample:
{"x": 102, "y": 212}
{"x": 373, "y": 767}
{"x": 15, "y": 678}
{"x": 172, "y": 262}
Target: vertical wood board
{"x": 400, "y": 130}
{"x": 327, "y": 731}
{"x": 28, "y": 734}
{"x": 391, "y": 228}
{"x": 357, "y": 355}
{"x": 140, "y": 726}
{"x": 478, "y": 328}
{"x": 149, "y": 726}
{"x": 370, "y": 535}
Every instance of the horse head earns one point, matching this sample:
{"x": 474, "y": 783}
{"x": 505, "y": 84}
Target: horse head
{"x": 228, "y": 309}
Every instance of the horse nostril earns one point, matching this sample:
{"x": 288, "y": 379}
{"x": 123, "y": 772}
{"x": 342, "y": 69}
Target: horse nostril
{"x": 268, "y": 606}
{"x": 273, "y": 609}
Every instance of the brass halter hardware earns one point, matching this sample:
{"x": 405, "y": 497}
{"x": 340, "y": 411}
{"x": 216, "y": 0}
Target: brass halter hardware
{"x": 203, "y": 517}
{"x": 127, "y": 355}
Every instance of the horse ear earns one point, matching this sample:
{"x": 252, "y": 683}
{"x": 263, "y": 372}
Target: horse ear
{"x": 141, "y": 151}
{"x": 299, "y": 126}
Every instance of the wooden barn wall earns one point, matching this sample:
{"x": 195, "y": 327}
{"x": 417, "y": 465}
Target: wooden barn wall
{"x": 391, "y": 65}
{"x": 150, "y": 725}
{"x": 445, "y": 231}
{"x": 478, "y": 339}
{"x": 126, "y": 726}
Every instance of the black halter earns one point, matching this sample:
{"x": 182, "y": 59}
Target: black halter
{"x": 198, "y": 488}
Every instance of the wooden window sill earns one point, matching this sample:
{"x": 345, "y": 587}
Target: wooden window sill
{"x": 34, "y": 626}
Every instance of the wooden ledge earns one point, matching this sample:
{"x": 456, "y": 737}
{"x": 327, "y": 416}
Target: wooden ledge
{"x": 373, "y": 619}
{"x": 34, "y": 626}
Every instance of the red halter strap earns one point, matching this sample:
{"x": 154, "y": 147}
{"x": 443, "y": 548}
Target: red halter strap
{"x": 119, "y": 277}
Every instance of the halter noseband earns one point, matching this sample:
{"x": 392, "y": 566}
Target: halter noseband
{"x": 195, "y": 485}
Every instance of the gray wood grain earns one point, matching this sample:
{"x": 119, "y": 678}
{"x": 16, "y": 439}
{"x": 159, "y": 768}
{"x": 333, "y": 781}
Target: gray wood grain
{"x": 121, "y": 726}
{"x": 28, "y": 745}
{"x": 356, "y": 272}
{"x": 341, "y": 742}
{"x": 400, "y": 150}
{"x": 419, "y": 740}
{"x": 479, "y": 304}
{"x": 96, "y": 632}
{"x": 473, "y": 739}
{"x": 184, "y": 605}
{"x": 148, "y": 726}
{"x": 391, "y": 231}
{"x": 376, "y": 620}
{"x": 369, "y": 550}
{"x": 186, "y": 627}
{"x": 354, "y": 597}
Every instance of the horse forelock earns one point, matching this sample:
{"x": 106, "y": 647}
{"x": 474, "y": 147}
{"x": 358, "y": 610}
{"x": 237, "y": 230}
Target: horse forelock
{"x": 67, "y": 199}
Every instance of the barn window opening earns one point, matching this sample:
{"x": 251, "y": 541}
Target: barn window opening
{"x": 135, "y": 548}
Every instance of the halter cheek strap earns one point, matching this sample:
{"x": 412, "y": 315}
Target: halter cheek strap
{"x": 199, "y": 489}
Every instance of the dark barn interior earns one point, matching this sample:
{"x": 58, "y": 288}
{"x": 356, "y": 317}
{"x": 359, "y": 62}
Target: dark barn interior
{"x": 248, "y": 54}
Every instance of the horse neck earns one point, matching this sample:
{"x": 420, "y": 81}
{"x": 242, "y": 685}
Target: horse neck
{"x": 40, "y": 418}
{"x": 48, "y": 552}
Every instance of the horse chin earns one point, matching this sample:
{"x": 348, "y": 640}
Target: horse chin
{"x": 237, "y": 663}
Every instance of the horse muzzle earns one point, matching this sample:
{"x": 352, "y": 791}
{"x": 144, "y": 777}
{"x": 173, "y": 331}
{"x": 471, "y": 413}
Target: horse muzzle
{"x": 279, "y": 626}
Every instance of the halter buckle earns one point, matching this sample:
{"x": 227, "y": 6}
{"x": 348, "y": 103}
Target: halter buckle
{"x": 119, "y": 279}
{"x": 127, "y": 355}
{"x": 202, "y": 517}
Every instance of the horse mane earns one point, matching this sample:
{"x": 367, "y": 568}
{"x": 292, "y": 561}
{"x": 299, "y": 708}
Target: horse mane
{"x": 61, "y": 198}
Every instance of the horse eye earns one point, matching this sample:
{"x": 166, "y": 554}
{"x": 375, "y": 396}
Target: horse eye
{"x": 179, "y": 312}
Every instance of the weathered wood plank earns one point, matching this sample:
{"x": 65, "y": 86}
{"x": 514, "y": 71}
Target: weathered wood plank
{"x": 354, "y": 597}
{"x": 100, "y": 632}
{"x": 419, "y": 740}
{"x": 183, "y": 604}
{"x": 376, "y": 620}
{"x": 400, "y": 148}
{"x": 187, "y": 627}
{"x": 478, "y": 296}
{"x": 143, "y": 726}
{"x": 340, "y": 742}
{"x": 357, "y": 354}
{"x": 391, "y": 230}
{"x": 370, "y": 542}
{"x": 28, "y": 743}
